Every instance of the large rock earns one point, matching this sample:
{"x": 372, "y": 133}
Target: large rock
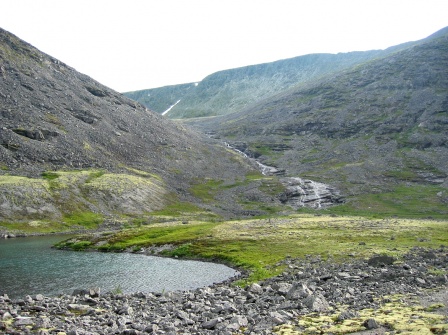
{"x": 298, "y": 291}
{"x": 316, "y": 303}
{"x": 381, "y": 260}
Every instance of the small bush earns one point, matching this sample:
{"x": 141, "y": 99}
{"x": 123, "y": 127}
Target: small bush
{"x": 49, "y": 175}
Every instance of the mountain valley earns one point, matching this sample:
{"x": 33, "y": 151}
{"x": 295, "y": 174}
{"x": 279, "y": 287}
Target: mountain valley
{"x": 322, "y": 180}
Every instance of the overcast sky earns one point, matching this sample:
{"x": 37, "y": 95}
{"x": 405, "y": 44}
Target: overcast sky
{"x": 138, "y": 44}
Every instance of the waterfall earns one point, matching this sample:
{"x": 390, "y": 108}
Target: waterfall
{"x": 299, "y": 192}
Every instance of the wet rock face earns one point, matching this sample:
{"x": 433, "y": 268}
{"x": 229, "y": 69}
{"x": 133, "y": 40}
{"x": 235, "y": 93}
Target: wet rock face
{"x": 299, "y": 192}
{"x": 310, "y": 285}
{"x": 304, "y": 192}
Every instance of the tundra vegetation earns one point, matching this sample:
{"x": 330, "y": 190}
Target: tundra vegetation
{"x": 259, "y": 245}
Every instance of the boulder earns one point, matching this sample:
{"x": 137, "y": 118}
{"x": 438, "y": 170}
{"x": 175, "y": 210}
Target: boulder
{"x": 371, "y": 324}
{"x": 381, "y": 260}
{"x": 316, "y": 303}
{"x": 298, "y": 291}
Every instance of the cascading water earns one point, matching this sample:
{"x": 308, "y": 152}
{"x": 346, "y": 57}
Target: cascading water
{"x": 264, "y": 169}
{"x": 304, "y": 192}
{"x": 299, "y": 192}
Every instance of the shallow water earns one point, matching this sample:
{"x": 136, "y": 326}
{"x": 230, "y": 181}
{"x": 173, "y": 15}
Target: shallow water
{"x": 30, "y": 266}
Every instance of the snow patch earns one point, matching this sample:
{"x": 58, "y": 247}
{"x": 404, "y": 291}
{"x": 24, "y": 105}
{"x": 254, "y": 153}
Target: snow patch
{"x": 171, "y": 107}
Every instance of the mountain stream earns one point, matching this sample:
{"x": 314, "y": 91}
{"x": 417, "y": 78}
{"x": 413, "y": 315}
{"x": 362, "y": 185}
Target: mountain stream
{"x": 299, "y": 192}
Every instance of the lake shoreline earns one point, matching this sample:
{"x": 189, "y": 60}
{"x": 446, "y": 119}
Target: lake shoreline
{"x": 31, "y": 266}
{"x": 310, "y": 289}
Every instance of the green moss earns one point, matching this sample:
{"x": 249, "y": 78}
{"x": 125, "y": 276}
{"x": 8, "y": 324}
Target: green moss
{"x": 158, "y": 235}
{"x": 272, "y": 186}
{"x": 178, "y": 209}
{"x": 73, "y": 194}
{"x": 259, "y": 245}
{"x": 437, "y": 272}
{"x": 206, "y": 190}
{"x": 53, "y": 119}
{"x": 50, "y": 175}
{"x": 94, "y": 174}
{"x": 181, "y": 251}
{"x": 119, "y": 183}
{"x": 35, "y": 226}
{"x": 143, "y": 173}
{"x": 404, "y": 318}
{"x": 22, "y": 181}
{"x": 406, "y": 175}
{"x": 418, "y": 201}
{"x": 86, "y": 219}
{"x": 254, "y": 175}
{"x": 80, "y": 245}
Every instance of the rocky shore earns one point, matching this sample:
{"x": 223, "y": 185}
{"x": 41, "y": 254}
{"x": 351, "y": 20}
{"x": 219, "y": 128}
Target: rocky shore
{"x": 306, "y": 286}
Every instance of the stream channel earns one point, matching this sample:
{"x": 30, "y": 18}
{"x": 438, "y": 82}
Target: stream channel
{"x": 29, "y": 266}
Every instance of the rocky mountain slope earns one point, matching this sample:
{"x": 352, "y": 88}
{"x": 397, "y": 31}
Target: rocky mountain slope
{"x": 367, "y": 129}
{"x": 71, "y": 145}
{"x": 231, "y": 90}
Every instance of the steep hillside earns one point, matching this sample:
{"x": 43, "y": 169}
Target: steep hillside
{"x": 72, "y": 148}
{"x": 375, "y": 128}
{"x": 232, "y": 90}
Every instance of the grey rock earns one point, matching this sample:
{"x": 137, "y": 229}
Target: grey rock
{"x": 6, "y": 316}
{"x": 421, "y": 281}
{"x": 80, "y": 308}
{"x": 152, "y": 328}
{"x": 39, "y": 297}
{"x": 240, "y": 320}
{"x": 23, "y": 321}
{"x": 255, "y": 288}
{"x": 282, "y": 287}
{"x": 346, "y": 315}
{"x": 210, "y": 324}
{"x": 381, "y": 260}
{"x": 371, "y": 324}
{"x": 316, "y": 303}
{"x": 298, "y": 291}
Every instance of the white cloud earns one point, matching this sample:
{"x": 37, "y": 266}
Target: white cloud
{"x": 139, "y": 44}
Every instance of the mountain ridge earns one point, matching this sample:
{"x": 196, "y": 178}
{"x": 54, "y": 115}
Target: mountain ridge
{"x": 230, "y": 90}
{"x": 369, "y": 129}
